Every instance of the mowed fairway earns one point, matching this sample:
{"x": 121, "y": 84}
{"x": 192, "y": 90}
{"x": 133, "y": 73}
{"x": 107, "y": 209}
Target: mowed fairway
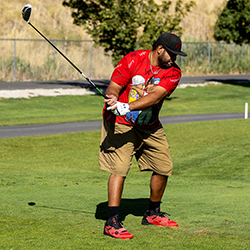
{"x": 225, "y": 98}
{"x": 53, "y": 196}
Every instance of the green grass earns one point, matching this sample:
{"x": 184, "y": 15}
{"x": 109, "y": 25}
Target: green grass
{"x": 53, "y": 196}
{"x": 41, "y": 110}
{"x": 224, "y": 98}
{"x": 208, "y": 194}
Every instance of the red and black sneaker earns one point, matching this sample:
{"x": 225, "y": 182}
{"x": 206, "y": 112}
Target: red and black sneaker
{"x": 114, "y": 228}
{"x": 157, "y": 218}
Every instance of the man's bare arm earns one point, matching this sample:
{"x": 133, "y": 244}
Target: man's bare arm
{"x": 112, "y": 93}
{"x": 149, "y": 100}
{"x": 144, "y": 102}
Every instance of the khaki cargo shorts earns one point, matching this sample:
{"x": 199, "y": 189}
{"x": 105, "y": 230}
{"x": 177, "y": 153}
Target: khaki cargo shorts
{"x": 120, "y": 142}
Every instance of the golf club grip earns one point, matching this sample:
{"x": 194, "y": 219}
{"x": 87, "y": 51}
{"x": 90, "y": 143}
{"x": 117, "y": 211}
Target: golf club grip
{"x": 94, "y": 85}
{"x": 67, "y": 60}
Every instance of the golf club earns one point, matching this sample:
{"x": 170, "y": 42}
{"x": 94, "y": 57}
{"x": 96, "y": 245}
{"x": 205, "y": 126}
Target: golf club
{"x": 26, "y": 12}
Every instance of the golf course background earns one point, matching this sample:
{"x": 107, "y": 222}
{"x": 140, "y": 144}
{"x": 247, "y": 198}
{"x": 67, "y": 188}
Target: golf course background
{"x": 53, "y": 196}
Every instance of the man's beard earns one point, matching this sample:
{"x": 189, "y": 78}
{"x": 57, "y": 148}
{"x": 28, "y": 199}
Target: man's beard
{"x": 163, "y": 63}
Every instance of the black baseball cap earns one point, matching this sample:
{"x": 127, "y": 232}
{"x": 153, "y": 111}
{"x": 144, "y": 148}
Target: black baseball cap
{"x": 171, "y": 42}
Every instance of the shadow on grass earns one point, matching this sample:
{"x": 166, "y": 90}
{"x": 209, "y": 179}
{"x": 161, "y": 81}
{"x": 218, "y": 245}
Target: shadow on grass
{"x": 135, "y": 207}
{"x": 59, "y": 208}
{"x": 233, "y": 81}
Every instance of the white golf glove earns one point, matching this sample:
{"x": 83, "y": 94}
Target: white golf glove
{"x": 121, "y": 108}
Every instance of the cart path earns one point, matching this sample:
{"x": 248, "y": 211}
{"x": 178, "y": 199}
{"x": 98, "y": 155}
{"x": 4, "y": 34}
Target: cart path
{"x": 72, "y": 127}
{"x": 240, "y": 79}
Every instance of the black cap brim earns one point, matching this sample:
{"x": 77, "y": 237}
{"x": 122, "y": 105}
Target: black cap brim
{"x": 179, "y": 53}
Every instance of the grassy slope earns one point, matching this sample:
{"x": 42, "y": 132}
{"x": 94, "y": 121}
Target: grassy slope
{"x": 56, "y": 22}
{"x": 213, "y": 99}
{"x": 53, "y": 19}
{"x": 208, "y": 193}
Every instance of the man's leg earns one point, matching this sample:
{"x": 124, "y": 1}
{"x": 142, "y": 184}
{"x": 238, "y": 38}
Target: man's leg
{"x": 113, "y": 226}
{"x": 115, "y": 188}
{"x": 154, "y": 216}
{"x": 115, "y": 156}
{"x": 157, "y": 186}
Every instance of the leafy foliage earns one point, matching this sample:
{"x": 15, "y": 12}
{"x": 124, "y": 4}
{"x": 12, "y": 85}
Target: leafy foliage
{"x": 123, "y": 26}
{"x": 233, "y": 23}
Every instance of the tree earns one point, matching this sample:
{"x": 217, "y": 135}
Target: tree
{"x": 233, "y": 24}
{"x": 121, "y": 26}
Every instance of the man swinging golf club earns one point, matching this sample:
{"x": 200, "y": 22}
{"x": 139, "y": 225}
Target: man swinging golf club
{"x": 139, "y": 84}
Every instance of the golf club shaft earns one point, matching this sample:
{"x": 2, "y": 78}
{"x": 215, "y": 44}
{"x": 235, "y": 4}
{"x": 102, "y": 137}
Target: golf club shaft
{"x": 68, "y": 60}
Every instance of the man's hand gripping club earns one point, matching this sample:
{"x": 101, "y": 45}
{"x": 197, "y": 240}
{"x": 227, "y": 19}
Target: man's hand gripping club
{"x": 117, "y": 108}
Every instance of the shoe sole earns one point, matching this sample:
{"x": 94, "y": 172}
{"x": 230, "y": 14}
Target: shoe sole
{"x": 146, "y": 223}
{"x": 122, "y": 237}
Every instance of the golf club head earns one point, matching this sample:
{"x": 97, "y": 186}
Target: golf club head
{"x": 26, "y": 12}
